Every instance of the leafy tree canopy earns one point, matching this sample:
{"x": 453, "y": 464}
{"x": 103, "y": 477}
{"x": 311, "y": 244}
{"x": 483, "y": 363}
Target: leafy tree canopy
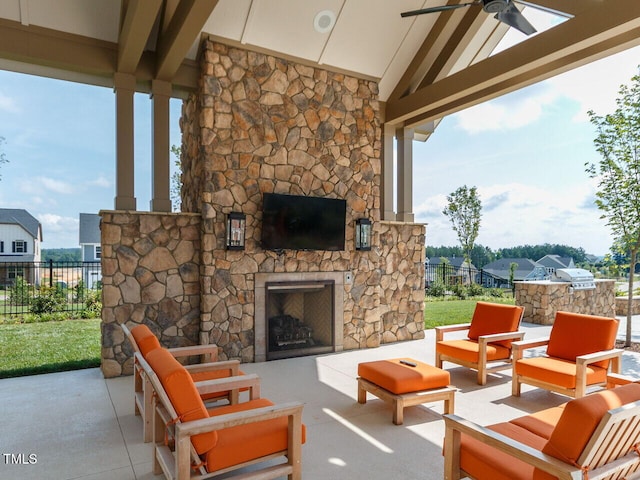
{"x": 61, "y": 254}
{"x": 481, "y": 255}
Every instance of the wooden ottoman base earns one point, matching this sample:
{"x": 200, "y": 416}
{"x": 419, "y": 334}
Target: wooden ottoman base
{"x": 407, "y": 399}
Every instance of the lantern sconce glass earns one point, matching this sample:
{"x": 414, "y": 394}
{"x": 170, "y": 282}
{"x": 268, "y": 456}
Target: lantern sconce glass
{"x": 363, "y": 234}
{"x": 236, "y": 223}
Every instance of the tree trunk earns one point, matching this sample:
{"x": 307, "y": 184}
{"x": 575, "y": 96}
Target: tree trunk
{"x": 632, "y": 269}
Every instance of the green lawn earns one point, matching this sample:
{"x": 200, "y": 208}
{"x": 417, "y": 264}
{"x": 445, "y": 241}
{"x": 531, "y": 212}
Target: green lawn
{"x": 449, "y": 312}
{"x": 32, "y": 348}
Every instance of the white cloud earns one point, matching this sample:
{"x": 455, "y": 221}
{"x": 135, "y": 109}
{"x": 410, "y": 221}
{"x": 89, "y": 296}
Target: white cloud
{"x": 8, "y": 104}
{"x": 506, "y": 113}
{"x": 36, "y": 186}
{"x": 517, "y": 214}
{"x": 100, "y": 181}
{"x": 58, "y": 231}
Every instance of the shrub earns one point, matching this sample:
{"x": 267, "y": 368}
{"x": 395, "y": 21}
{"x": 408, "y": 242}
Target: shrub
{"x": 19, "y": 292}
{"x": 436, "y": 289}
{"x": 460, "y": 291}
{"x": 497, "y": 292}
{"x": 48, "y": 300}
{"x": 92, "y": 304}
{"x": 475, "y": 290}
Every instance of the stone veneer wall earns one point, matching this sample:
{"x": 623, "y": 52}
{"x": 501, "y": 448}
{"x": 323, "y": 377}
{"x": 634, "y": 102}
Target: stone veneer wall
{"x": 541, "y": 300}
{"x": 150, "y": 275}
{"x": 265, "y": 124}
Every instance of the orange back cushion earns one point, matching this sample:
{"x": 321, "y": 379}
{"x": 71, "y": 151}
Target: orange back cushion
{"x": 581, "y": 417}
{"x": 145, "y": 339}
{"x": 183, "y": 395}
{"x": 575, "y": 334}
{"x": 489, "y": 318}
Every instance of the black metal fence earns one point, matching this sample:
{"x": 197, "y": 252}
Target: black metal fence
{"x": 450, "y": 275}
{"x": 35, "y": 287}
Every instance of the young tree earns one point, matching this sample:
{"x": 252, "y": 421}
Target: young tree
{"x": 3, "y": 158}
{"x": 618, "y": 173}
{"x": 464, "y": 211}
{"x": 175, "y": 192}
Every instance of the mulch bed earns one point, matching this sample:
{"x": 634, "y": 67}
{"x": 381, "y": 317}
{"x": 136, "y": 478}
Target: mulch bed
{"x": 635, "y": 347}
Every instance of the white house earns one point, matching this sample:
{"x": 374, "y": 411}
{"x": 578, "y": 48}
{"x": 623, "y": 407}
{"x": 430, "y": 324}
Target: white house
{"x": 20, "y": 239}
{"x": 91, "y": 249}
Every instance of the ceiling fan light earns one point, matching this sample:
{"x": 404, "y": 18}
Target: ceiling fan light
{"x": 494, "y": 6}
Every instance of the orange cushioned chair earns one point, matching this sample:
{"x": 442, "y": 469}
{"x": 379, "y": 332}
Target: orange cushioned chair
{"x": 579, "y": 351}
{"x": 593, "y": 437}
{"x": 223, "y": 439}
{"x": 143, "y": 341}
{"x": 492, "y": 329}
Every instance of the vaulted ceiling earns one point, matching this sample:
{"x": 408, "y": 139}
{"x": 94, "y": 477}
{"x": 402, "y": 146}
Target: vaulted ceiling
{"x": 427, "y": 66}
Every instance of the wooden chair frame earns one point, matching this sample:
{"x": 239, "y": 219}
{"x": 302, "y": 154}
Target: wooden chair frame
{"x": 582, "y": 362}
{"x": 176, "y": 464}
{"x": 609, "y": 454}
{"x": 482, "y": 366}
{"x": 143, "y": 391}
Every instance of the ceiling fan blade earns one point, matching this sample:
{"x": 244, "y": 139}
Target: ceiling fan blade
{"x": 542, "y": 8}
{"x": 512, "y": 17}
{"x": 443, "y": 8}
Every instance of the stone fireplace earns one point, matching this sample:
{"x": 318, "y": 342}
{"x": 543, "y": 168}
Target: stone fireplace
{"x": 262, "y": 124}
{"x": 298, "y": 314}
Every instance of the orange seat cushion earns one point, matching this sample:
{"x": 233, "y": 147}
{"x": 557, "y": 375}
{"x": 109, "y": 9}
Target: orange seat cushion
{"x": 145, "y": 339}
{"x": 489, "y": 318}
{"x": 469, "y": 350}
{"x": 182, "y": 393}
{"x": 581, "y": 417}
{"x": 214, "y": 375}
{"x": 575, "y": 334}
{"x": 244, "y": 443}
{"x": 483, "y": 462}
{"x": 399, "y": 378}
{"x": 558, "y": 372}
{"x": 541, "y": 423}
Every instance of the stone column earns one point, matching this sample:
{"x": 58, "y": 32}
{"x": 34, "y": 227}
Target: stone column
{"x": 124, "y": 85}
{"x": 405, "y": 174}
{"x": 388, "y": 135}
{"x": 160, "y": 93}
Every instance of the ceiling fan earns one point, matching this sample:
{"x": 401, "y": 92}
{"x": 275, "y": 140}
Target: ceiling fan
{"x": 505, "y": 11}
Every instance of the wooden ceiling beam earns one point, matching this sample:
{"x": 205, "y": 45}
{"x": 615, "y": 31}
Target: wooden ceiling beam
{"x": 138, "y": 21}
{"x": 608, "y": 26}
{"x": 182, "y": 31}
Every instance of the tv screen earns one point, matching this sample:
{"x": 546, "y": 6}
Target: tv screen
{"x": 302, "y": 223}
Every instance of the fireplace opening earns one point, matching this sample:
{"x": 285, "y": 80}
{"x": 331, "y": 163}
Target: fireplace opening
{"x": 300, "y": 318}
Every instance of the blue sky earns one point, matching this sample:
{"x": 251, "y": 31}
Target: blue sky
{"x": 525, "y": 152}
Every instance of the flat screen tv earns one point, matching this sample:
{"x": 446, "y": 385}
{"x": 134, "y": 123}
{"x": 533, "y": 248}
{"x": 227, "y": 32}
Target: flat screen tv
{"x": 302, "y": 223}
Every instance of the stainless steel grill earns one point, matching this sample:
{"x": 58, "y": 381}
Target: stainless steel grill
{"x": 580, "y": 278}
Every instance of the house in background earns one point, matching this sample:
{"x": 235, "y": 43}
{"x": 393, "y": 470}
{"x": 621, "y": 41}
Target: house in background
{"x": 499, "y": 271}
{"x": 20, "y": 239}
{"x": 456, "y": 271}
{"x": 552, "y": 262}
{"x": 90, "y": 248}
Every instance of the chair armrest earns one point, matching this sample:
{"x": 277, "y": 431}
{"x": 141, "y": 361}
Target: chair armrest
{"x": 497, "y": 337}
{"x": 251, "y": 381}
{"x": 231, "y": 365}
{"x": 616, "y": 379}
{"x": 518, "y": 348}
{"x": 598, "y": 356}
{"x": 549, "y": 464}
{"x": 210, "y": 351}
{"x": 220, "y": 422}
{"x": 441, "y": 330}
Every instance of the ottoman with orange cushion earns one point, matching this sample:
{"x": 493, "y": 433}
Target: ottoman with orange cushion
{"x": 404, "y": 382}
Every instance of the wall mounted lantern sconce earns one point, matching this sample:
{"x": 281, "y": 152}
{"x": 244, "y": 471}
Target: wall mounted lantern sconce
{"x": 363, "y": 234}
{"x": 236, "y": 223}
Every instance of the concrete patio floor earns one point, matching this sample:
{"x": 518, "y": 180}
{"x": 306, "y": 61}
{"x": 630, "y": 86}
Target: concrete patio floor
{"x": 77, "y": 425}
